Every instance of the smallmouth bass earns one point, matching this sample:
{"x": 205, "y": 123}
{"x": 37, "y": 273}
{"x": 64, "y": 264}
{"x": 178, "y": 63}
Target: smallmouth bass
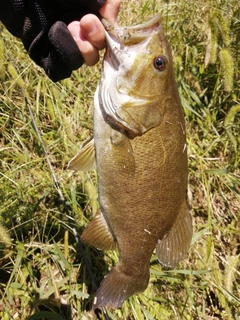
{"x": 140, "y": 152}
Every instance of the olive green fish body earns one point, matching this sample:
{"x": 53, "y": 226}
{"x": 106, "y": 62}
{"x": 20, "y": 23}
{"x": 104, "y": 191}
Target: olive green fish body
{"x": 141, "y": 159}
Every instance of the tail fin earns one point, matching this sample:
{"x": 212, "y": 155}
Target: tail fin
{"x": 117, "y": 286}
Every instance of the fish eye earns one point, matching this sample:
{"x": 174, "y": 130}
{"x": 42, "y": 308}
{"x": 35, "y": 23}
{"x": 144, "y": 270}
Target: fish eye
{"x": 159, "y": 63}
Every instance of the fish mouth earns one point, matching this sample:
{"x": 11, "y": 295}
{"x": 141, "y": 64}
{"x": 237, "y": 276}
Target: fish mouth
{"x": 120, "y": 39}
{"x": 133, "y": 34}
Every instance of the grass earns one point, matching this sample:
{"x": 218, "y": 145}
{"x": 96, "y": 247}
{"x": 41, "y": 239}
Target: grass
{"x": 42, "y": 273}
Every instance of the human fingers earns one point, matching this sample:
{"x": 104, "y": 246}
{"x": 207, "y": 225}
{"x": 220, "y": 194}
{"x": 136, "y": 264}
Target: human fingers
{"x": 89, "y": 33}
{"x": 110, "y": 9}
{"x": 82, "y": 33}
{"x": 93, "y": 30}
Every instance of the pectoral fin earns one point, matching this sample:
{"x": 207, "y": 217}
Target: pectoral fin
{"x": 171, "y": 249}
{"x": 85, "y": 158}
{"x": 97, "y": 233}
{"x": 122, "y": 152}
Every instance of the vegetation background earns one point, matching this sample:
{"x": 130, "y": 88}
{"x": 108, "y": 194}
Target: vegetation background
{"x": 42, "y": 273}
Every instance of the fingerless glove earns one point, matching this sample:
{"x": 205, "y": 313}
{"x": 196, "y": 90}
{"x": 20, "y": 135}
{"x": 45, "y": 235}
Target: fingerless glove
{"x": 42, "y": 27}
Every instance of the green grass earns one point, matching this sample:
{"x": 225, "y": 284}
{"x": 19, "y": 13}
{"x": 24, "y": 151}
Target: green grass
{"x": 42, "y": 274}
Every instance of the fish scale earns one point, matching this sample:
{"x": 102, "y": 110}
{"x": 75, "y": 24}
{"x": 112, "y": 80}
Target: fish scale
{"x": 141, "y": 158}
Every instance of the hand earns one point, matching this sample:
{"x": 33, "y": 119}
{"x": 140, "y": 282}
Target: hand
{"x": 89, "y": 32}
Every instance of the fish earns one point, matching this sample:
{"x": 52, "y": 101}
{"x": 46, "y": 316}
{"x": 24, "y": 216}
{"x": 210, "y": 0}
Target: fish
{"x": 140, "y": 153}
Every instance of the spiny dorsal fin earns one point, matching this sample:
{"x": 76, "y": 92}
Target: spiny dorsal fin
{"x": 171, "y": 249}
{"x": 97, "y": 233}
{"x": 85, "y": 158}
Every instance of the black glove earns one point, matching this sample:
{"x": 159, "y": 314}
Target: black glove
{"x": 42, "y": 27}
{"x": 64, "y": 55}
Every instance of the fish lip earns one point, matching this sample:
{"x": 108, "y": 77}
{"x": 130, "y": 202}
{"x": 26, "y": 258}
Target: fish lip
{"x": 118, "y": 38}
{"x": 113, "y": 46}
{"x": 136, "y": 32}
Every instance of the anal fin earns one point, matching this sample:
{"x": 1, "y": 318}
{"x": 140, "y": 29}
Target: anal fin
{"x": 172, "y": 248}
{"x": 97, "y": 233}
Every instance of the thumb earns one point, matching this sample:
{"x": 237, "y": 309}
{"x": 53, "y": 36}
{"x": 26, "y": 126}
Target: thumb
{"x": 110, "y": 9}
